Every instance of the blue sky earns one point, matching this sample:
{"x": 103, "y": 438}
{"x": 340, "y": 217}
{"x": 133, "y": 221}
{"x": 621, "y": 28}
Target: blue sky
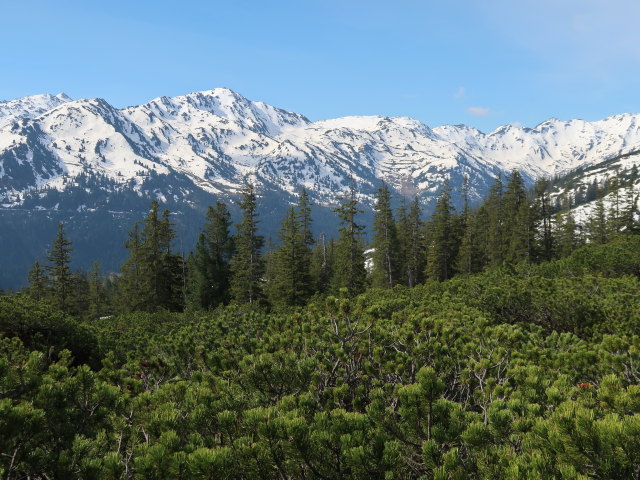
{"x": 483, "y": 63}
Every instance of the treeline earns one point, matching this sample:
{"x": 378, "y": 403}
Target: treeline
{"x": 513, "y": 225}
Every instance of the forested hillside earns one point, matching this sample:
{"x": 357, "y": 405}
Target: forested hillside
{"x": 488, "y": 343}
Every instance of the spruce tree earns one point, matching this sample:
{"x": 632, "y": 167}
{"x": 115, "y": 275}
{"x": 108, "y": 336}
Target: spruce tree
{"x": 209, "y": 271}
{"x": 322, "y": 261}
{"x": 59, "y": 271}
{"x": 543, "y": 216}
{"x": 630, "y": 210}
{"x": 131, "y": 285}
{"x": 442, "y": 246}
{"x": 411, "y": 241}
{"x": 289, "y": 281}
{"x": 152, "y": 275}
{"x": 566, "y": 237}
{"x": 597, "y": 224}
{"x": 349, "y": 271}
{"x": 385, "y": 243}
{"x": 38, "y": 288}
{"x": 518, "y": 224}
{"x": 495, "y": 246}
{"x": 247, "y": 264}
{"x": 465, "y": 259}
{"x": 96, "y": 295}
{"x": 304, "y": 214}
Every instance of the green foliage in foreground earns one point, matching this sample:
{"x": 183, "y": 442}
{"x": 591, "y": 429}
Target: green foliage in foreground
{"x": 528, "y": 373}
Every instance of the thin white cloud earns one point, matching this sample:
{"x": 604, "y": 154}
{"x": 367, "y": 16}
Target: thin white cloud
{"x": 459, "y": 93}
{"x": 479, "y": 111}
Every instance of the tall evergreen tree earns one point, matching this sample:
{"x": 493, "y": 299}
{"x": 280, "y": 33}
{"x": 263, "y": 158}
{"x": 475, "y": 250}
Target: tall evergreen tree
{"x": 209, "y": 272}
{"x": 442, "y": 246}
{"x": 322, "y": 261}
{"x": 304, "y": 214}
{"x": 465, "y": 259}
{"x": 565, "y": 233}
{"x": 38, "y": 288}
{"x": 96, "y": 295}
{"x": 615, "y": 219}
{"x": 411, "y": 241}
{"x": 247, "y": 263}
{"x": 630, "y": 210}
{"x": 543, "y": 216}
{"x": 495, "y": 245}
{"x": 289, "y": 280}
{"x": 518, "y": 224}
{"x": 59, "y": 271}
{"x": 131, "y": 285}
{"x": 385, "y": 243}
{"x": 597, "y": 224}
{"x": 152, "y": 275}
{"x": 349, "y": 271}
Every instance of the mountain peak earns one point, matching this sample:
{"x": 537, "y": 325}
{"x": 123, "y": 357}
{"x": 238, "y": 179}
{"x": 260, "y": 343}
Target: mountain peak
{"x": 29, "y": 107}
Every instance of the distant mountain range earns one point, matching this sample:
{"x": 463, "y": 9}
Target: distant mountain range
{"x": 96, "y": 167}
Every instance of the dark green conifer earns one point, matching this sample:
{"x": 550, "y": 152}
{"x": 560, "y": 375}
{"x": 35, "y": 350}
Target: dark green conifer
{"x": 412, "y": 244}
{"x": 59, "y": 271}
{"x": 289, "y": 281}
{"x": 322, "y": 260}
{"x": 385, "y": 243}
{"x": 495, "y": 245}
{"x": 152, "y": 276}
{"x": 597, "y": 225}
{"x": 566, "y": 234}
{"x": 442, "y": 246}
{"x": 247, "y": 264}
{"x": 38, "y": 288}
{"x": 349, "y": 271}
{"x": 209, "y": 272}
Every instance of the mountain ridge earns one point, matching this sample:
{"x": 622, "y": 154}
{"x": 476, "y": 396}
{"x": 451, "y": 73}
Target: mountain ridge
{"x": 218, "y": 137}
{"x": 96, "y": 167}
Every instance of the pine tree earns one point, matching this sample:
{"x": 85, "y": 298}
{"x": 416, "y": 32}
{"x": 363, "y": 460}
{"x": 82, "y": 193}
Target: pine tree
{"x": 385, "y": 243}
{"x": 349, "y": 271}
{"x": 289, "y": 282}
{"x": 442, "y": 246}
{"x": 247, "y": 264}
{"x": 59, "y": 271}
{"x": 411, "y": 241}
{"x": 38, "y": 288}
{"x": 209, "y": 271}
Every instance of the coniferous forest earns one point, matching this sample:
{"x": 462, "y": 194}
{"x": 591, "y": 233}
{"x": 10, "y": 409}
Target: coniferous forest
{"x": 498, "y": 341}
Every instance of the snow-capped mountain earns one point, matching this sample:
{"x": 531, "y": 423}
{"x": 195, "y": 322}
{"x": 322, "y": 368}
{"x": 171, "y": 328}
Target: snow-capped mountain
{"x": 216, "y": 139}
{"x": 74, "y": 160}
{"x": 29, "y": 107}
